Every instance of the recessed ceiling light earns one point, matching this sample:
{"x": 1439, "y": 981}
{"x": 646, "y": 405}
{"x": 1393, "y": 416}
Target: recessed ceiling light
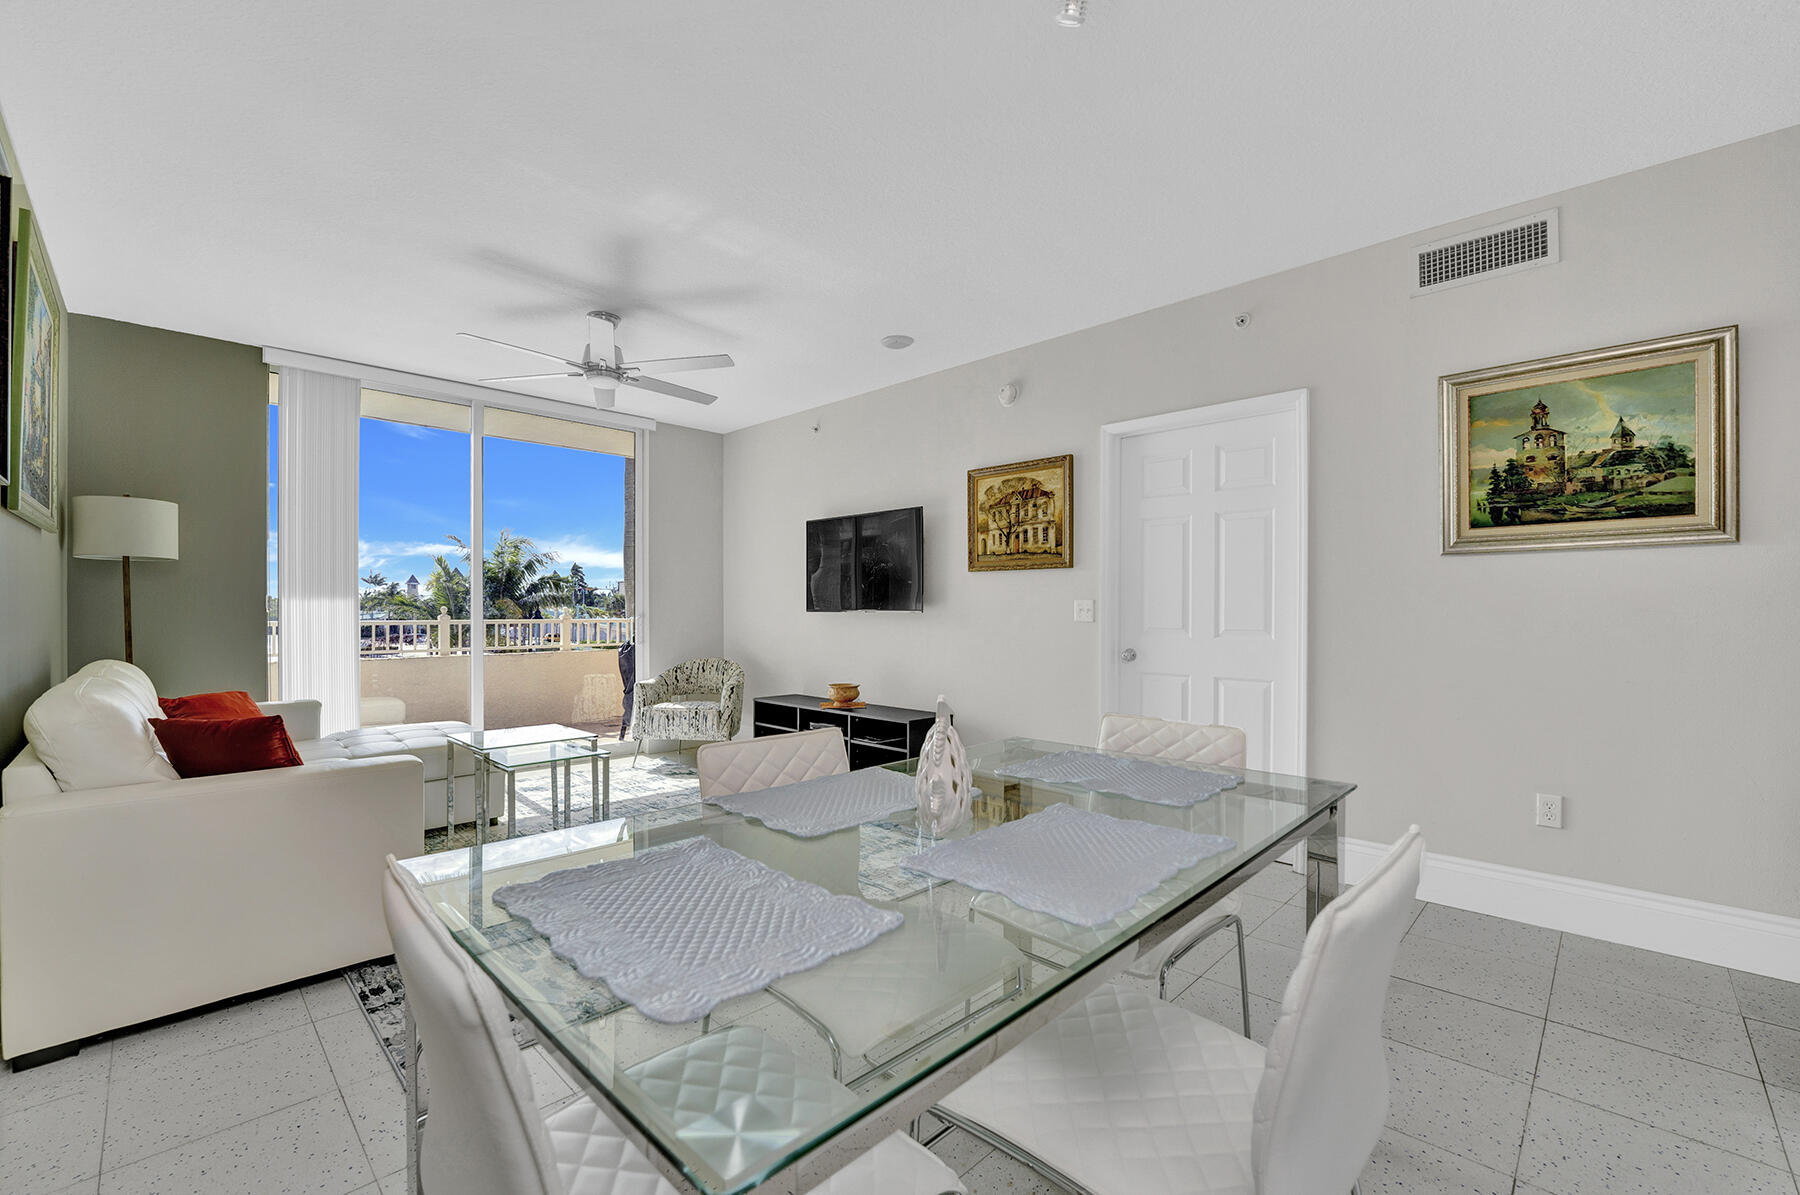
{"x": 896, "y": 341}
{"x": 1072, "y": 14}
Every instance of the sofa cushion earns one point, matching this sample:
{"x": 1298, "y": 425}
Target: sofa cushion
{"x": 422, "y": 740}
{"x": 233, "y": 703}
{"x": 92, "y": 731}
{"x": 136, "y": 681}
{"x": 223, "y": 746}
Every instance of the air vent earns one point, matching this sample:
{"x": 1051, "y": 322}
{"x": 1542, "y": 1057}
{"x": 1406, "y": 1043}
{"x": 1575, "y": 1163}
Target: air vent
{"x": 1487, "y": 253}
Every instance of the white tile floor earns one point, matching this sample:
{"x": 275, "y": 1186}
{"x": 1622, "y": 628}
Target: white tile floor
{"x": 1523, "y": 1061}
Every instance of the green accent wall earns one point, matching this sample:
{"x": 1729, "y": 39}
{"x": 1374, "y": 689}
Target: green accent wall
{"x": 159, "y": 414}
{"x": 31, "y": 561}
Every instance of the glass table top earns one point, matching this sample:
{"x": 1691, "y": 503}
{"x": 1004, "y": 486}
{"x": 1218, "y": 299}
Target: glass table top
{"x": 884, "y": 1018}
{"x": 537, "y": 755}
{"x": 517, "y": 736}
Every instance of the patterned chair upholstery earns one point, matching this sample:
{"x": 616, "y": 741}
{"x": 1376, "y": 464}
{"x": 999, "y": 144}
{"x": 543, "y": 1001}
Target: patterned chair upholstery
{"x": 1137, "y": 735}
{"x": 696, "y": 701}
{"x": 756, "y": 764}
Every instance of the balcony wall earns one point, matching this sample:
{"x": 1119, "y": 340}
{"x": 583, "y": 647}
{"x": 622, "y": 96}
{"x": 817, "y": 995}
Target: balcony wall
{"x": 576, "y": 688}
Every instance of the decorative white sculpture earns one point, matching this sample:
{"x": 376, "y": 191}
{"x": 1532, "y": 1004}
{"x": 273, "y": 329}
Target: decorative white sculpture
{"x": 942, "y": 781}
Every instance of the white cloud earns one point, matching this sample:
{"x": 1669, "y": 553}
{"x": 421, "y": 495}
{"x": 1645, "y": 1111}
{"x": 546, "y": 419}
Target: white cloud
{"x": 573, "y": 549}
{"x": 379, "y": 554}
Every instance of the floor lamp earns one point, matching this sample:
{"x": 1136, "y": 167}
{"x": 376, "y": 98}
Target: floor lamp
{"x": 120, "y": 528}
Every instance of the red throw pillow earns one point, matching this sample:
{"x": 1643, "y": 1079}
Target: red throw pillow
{"x": 233, "y": 704}
{"x": 215, "y": 746}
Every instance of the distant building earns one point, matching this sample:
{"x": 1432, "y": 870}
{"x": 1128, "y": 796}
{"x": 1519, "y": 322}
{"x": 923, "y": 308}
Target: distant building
{"x": 1540, "y": 452}
{"x": 1619, "y": 467}
{"x": 412, "y": 587}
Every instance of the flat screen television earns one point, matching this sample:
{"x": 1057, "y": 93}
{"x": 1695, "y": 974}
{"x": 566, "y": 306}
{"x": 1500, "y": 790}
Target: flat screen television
{"x": 870, "y": 561}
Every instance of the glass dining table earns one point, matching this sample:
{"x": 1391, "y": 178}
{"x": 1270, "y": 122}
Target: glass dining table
{"x": 895, "y": 1025}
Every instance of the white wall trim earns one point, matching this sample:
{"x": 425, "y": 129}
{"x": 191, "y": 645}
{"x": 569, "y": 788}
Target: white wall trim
{"x": 424, "y": 386}
{"x": 1762, "y": 943}
{"x": 1112, "y": 436}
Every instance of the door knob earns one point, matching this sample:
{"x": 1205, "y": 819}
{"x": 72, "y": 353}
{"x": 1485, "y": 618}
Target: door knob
{"x": 1128, "y": 655}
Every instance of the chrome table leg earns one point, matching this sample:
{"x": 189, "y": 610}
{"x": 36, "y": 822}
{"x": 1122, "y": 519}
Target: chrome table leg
{"x": 414, "y": 1115}
{"x": 449, "y": 790}
{"x": 1324, "y": 850}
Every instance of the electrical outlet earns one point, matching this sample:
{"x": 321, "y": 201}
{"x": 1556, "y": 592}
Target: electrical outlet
{"x": 1549, "y": 811}
{"x": 1084, "y": 609}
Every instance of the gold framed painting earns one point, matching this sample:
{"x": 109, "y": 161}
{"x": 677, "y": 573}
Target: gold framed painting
{"x": 38, "y": 318}
{"x": 1022, "y": 515}
{"x": 1616, "y": 447}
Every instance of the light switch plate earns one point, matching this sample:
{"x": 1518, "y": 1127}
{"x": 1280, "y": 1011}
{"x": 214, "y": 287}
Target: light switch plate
{"x": 1084, "y": 609}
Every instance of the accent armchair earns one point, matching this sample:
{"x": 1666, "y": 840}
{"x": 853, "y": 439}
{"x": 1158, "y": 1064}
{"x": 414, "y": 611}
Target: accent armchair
{"x": 695, "y": 701}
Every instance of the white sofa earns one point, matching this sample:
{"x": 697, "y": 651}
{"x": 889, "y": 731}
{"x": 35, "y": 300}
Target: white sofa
{"x": 124, "y": 902}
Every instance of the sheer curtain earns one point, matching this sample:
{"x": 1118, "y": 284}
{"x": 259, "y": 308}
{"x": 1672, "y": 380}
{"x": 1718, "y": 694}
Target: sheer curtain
{"x": 319, "y": 422}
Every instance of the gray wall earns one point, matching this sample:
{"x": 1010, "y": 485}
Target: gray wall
{"x": 1653, "y": 687}
{"x": 32, "y": 577}
{"x": 182, "y": 418}
{"x": 685, "y": 589}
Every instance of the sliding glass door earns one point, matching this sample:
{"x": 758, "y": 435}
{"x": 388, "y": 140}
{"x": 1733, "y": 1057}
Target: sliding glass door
{"x": 413, "y": 560}
{"x": 556, "y": 575}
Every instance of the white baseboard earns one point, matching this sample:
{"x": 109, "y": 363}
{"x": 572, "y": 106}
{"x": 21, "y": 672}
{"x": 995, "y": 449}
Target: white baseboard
{"x": 1763, "y": 943}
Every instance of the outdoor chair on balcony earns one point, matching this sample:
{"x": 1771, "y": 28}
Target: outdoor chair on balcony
{"x": 696, "y": 701}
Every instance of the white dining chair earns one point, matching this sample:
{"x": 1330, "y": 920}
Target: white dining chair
{"x": 483, "y": 1132}
{"x": 1128, "y": 1095}
{"x": 746, "y": 765}
{"x": 1186, "y": 742}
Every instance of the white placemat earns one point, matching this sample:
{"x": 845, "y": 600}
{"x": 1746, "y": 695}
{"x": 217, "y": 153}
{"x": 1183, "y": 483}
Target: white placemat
{"x": 1142, "y": 779}
{"x": 811, "y": 808}
{"x": 679, "y": 930}
{"x": 1081, "y": 867}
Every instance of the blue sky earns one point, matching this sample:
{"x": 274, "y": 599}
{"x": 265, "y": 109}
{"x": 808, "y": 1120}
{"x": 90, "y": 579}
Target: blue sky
{"x": 414, "y": 490}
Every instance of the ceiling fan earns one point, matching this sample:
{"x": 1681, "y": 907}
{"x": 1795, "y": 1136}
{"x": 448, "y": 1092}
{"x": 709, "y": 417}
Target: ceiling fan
{"x": 604, "y": 366}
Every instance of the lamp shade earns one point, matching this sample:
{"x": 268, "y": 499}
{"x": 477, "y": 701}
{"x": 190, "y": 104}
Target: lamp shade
{"x": 107, "y": 528}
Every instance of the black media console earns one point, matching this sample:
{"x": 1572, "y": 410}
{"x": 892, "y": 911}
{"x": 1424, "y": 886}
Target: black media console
{"x": 874, "y": 734}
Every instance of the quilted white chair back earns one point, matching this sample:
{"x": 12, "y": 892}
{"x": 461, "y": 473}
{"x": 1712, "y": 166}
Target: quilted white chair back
{"x": 1323, "y": 1096}
{"x": 484, "y": 1132}
{"x": 1137, "y": 735}
{"x": 746, "y": 765}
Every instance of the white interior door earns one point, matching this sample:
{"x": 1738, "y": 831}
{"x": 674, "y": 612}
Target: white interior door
{"x": 1210, "y": 580}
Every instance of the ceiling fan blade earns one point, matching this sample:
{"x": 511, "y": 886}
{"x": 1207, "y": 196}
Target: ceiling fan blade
{"x": 677, "y": 364}
{"x": 530, "y": 377}
{"x": 658, "y": 386}
{"x": 521, "y": 348}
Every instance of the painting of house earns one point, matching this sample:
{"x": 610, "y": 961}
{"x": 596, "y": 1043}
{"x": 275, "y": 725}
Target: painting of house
{"x": 1019, "y": 515}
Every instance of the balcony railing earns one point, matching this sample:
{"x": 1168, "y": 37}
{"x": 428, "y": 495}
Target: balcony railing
{"x": 445, "y": 636}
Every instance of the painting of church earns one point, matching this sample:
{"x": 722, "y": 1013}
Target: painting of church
{"x": 1544, "y": 481}
{"x": 1632, "y": 443}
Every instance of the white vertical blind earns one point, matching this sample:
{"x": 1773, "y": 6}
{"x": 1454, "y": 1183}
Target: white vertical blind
{"x": 319, "y": 425}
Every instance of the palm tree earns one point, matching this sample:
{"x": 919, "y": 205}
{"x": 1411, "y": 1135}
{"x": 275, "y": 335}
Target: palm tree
{"x": 517, "y": 581}
{"x": 449, "y": 589}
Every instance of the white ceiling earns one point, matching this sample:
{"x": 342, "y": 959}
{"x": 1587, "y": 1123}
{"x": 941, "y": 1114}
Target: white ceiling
{"x": 789, "y": 180}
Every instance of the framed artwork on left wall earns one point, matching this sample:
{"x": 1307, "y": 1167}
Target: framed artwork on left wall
{"x": 5, "y": 323}
{"x": 37, "y": 330}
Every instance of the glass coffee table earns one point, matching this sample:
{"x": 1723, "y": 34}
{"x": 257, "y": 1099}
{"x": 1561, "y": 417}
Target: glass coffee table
{"x": 522, "y": 748}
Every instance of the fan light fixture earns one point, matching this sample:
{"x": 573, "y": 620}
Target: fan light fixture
{"x": 1073, "y": 14}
